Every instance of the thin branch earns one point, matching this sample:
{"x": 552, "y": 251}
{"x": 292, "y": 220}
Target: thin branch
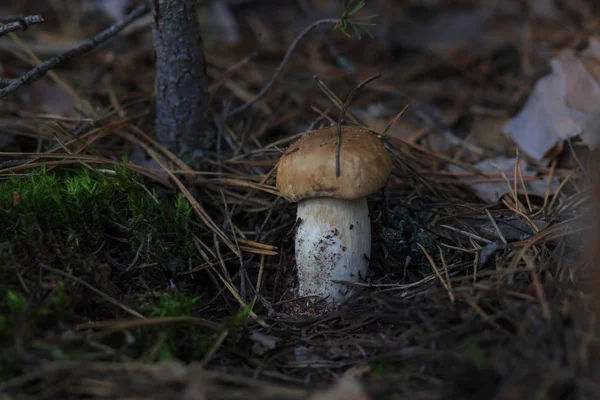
{"x": 7, "y": 81}
{"x": 341, "y": 117}
{"x": 42, "y": 69}
{"x": 282, "y": 63}
{"x": 21, "y": 23}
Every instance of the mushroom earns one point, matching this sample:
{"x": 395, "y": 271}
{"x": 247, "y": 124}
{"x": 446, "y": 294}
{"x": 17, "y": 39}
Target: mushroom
{"x": 333, "y": 237}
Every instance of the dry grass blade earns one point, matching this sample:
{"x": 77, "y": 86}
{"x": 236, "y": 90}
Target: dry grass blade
{"x": 214, "y": 348}
{"x": 256, "y": 186}
{"x": 257, "y": 245}
{"x": 239, "y": 299}
{"x": 259, "y": 251}
{"x": 204, "y": 217}
{"x": 537, "y": 285}
{"x": 446, "y": 285}
{"x": 336, "y": 100}
{"x": 489, "y": 320}
{"x": 394, "y": 120}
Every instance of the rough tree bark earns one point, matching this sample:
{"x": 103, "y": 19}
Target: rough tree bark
{"x": 181, "y": 83}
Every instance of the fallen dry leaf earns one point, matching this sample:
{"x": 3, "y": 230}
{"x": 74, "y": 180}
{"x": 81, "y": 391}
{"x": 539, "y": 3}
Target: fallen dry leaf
{"x": 563, "y": 104}
{"x": 493, "y": 191}
{"x": 262, "y": 342}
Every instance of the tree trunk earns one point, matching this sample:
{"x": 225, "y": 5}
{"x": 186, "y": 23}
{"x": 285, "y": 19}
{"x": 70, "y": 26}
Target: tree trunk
{"x": 181, "y": 83}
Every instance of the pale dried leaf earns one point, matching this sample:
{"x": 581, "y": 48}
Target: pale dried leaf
{"x": 563, "y": 104}
{"x": 545, "y": 118}
{"x": 262, "y": 342}
{"x": 491, "y": 192}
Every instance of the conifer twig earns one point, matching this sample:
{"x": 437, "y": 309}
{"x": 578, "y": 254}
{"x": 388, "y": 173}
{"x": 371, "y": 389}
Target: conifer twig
{"x": 282, "y": 63}
{"x": 42, "y": 69}
{"x": 341, "y": 117}
{"x": 20, "y": 23}
{"x": 347, "y": 20}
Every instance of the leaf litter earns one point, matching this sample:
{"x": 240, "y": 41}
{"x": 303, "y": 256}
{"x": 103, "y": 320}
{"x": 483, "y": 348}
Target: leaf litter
{"x": 475, "y": 283}
{"x": 562, "y": 105}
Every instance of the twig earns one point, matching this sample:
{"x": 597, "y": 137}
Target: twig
{"x": 341, "y": 117}
{"x": 353, "y": 92}
{"x": 213, "y": 349}
{"x": 6, "y": 81}
{"x": 282, "y": 63}
{"x": 21, "y": 23}
{"x": 335, "y": 100}
{"x": 42, "y": 69}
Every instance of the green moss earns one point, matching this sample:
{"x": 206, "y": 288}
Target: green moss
{"x": 175, "y": 340}
{"x": 61, "y": 212}
{"x": 61, "y": 218}
{"x": 188, "y": 342}
{"x": 171, "y": 305}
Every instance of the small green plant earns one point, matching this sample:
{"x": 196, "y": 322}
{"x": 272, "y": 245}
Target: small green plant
{"x": 350, "y": 8}
{"x": 45, "y": 316}
{"x": 12, "y": 304}
{"x": 169, "y": 305}
{"x": 231, "y": 325}
{"x": 476, "y": 355}
{"x": 238, "y": 321}
{"x": 173, "y": 337}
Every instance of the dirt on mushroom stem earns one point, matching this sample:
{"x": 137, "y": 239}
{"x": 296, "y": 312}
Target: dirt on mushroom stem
{"x": 330, "y": 245}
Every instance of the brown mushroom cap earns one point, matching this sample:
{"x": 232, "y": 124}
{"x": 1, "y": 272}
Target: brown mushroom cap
{"x": 307, "y": 168}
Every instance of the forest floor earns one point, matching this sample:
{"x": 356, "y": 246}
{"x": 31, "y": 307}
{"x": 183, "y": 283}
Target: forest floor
{"x": 128, "y": 272}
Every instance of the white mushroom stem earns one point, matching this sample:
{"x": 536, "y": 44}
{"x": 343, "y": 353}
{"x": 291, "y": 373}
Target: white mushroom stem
{"x": 333, "y": 242}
